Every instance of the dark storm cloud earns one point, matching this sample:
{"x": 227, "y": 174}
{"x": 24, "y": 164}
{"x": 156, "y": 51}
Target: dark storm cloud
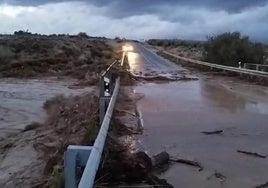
{"x": 124, "y": 7}
{"x": 130, "y": 7}
{"x": 138, "y": 19}
{"x": 165, "y": 9}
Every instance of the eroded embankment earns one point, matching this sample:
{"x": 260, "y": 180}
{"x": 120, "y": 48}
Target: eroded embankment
{"x": 33, "y": 157}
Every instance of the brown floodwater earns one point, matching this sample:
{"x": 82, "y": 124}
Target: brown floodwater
{"x": 174, "y": 115}
{"x": 21, "y": 100}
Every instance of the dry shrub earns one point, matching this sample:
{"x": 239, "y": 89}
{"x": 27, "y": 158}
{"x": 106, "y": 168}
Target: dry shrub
{"x": 71, "y": 121}
{"x": 6, "y": 55}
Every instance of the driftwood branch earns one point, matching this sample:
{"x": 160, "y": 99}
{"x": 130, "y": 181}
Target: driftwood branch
{"x": 188, "y": 162}
{"x": 212, "y": 132}
{"x": 218, "y": 175}
{"x": 252, "y": 154}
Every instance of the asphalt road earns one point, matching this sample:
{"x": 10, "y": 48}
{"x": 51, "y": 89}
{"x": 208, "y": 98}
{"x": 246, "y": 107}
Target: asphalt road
{"x": 145, "y": 62}
{"x": 174, "y": 115}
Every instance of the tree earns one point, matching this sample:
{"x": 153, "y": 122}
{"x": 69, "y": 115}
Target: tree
{"x": 231, "y": 48}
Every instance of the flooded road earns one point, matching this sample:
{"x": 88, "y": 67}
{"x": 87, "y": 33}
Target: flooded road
{"x": 174, "y": 114}
{"x": 146, "y": 63}
{"x": 21, "y": 101}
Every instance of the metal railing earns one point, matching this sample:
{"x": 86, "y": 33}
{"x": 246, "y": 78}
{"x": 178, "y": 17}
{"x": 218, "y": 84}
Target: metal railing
{"x": 258, "y": 67}
{"x": 89, "y": 156}
{"x": 221, "y": 67}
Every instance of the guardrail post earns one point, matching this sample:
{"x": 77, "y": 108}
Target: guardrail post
{"x": 104, "y": 102}
{"x": 106, "y": 89}
{"x": 73, "y": 157}
{"x": 70, "y": 169}
{"x": 258, "y": 67}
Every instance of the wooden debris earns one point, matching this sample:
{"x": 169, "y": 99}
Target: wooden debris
{"x": 127, "y": 112}
{"x": 157, "y": 182}
{"x": 220, "y": 176}
{"x": 188, "y": 162}
{"x": 160, "y": 159}
{"x": 212, "y": 132}
{"x": 252, "y": 154}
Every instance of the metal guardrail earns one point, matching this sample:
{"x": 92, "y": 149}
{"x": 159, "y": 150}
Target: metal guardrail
{"x": 89, "y": 156}
{"x": 258, "y": 67}
{"x": 221, "y": 67}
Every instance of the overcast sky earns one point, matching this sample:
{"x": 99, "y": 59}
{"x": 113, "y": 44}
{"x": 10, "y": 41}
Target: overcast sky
{"x": 137, "y": 19}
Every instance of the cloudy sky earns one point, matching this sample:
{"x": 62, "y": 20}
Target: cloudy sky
{"x": 137, "y": 19}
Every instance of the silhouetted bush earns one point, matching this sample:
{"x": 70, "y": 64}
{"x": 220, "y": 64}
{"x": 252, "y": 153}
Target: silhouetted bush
{"x": 83, "y": 35}
{"x": 175, "y": 43}
{"x": 230, "y": 48}
{"x": 20, "y": 32}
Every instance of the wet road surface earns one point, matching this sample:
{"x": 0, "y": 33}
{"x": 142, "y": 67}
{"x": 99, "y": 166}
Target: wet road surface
{"x": 145, "y": 62}
{"x": 174, "y": 115}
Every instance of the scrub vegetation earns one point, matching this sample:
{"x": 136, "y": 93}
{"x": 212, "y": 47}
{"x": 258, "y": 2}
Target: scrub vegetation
{"x": 231, "y": 48}
{"x": 225, "y": 49}
{"x": 27, "y": 55}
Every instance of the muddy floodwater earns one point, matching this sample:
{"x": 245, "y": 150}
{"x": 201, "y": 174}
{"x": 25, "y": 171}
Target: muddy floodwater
{"x": 21, "y": 101}
{"x": 174, "y": 115}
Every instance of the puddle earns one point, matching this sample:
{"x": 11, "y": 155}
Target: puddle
{"x": 21, "y": 101}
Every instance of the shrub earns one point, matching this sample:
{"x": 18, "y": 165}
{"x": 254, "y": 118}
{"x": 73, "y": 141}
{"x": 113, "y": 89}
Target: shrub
{"x": 175, "y": 43}
{"x": 20, "y": 32}
{"x": 6, "y": 55}
{"x": 230, "y": 48}
{"x": 83, "y": 35}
